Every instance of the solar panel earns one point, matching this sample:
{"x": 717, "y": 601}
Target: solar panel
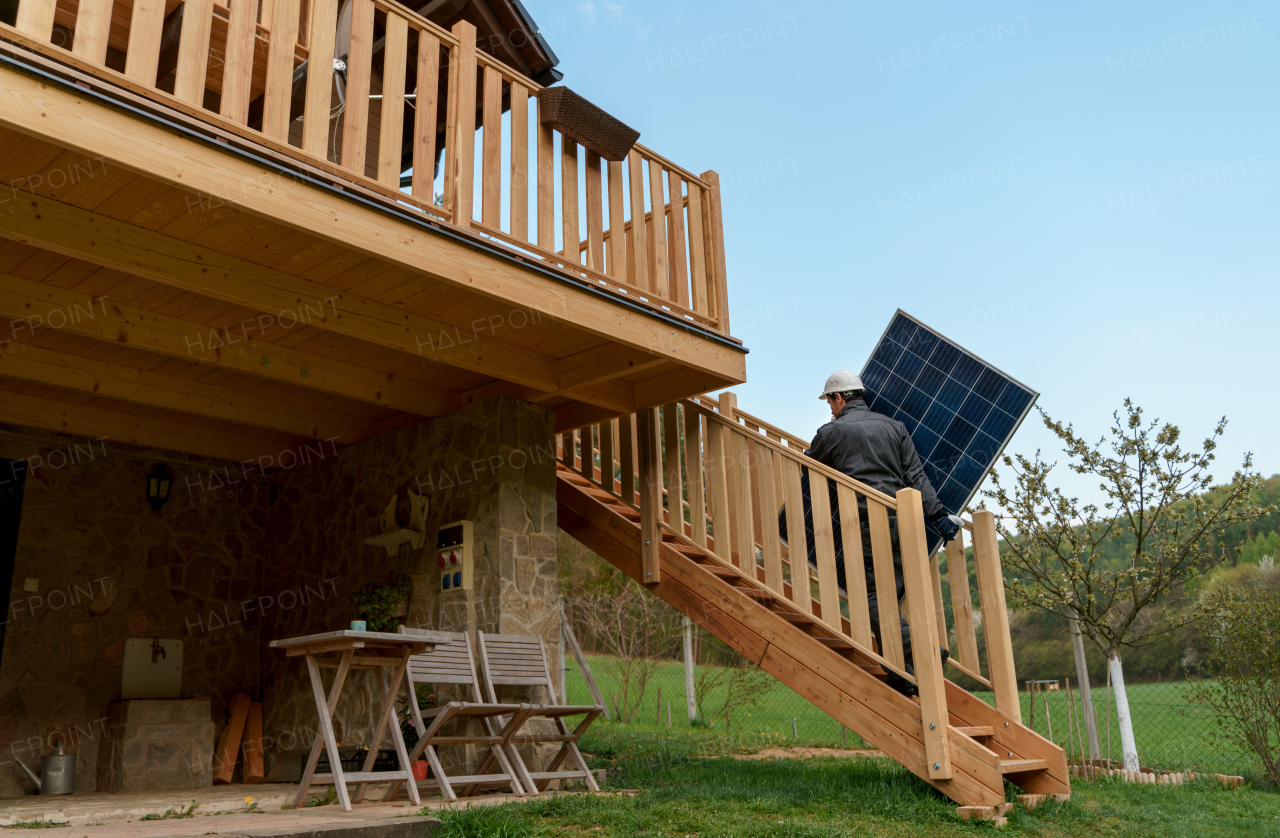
{"x": 959, "y": 410}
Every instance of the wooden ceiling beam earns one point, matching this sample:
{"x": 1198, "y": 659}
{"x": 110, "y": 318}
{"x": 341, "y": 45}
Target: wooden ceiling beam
{"x": 33, "y": 305}
{"x": 603, "y": 363}
{"x": 100, "y": 378}
{"x": 96, "y": 422}
{"x": 81, "y": 234}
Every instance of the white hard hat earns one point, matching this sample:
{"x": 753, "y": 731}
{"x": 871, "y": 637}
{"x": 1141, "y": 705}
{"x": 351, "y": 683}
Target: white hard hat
{"x": 841, "y": 381}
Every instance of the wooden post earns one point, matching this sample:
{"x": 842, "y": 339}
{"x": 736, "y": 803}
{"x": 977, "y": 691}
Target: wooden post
{"x": 717, "y": 262}
{"x": 460, "y": 183}
{"x": 995, "y": 616}
{"x": 924, "y": 633}
{"x": 650, "y": 494}
{"x": 690, "y": 699}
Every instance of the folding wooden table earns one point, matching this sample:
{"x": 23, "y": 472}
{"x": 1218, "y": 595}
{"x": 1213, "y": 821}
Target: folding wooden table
{"x": 345, "y": 651}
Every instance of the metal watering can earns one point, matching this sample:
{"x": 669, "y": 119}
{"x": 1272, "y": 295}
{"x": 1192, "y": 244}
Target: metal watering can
{"x": 57, "y": 772}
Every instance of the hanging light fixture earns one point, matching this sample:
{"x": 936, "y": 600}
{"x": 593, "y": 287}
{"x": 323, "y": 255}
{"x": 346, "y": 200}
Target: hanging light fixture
{"x": 158, "y": 483}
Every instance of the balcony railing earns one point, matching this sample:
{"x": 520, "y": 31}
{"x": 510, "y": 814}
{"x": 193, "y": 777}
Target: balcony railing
{"x": 368, "y": 91}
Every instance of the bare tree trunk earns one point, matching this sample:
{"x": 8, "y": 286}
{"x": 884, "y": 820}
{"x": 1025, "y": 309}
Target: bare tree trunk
{"x": 690, "y": 697}
{"x": 1086, "y": 694}
{"x": 1128, "y": 746}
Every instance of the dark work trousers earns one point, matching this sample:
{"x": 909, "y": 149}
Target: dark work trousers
{"x": 873, "y": 601}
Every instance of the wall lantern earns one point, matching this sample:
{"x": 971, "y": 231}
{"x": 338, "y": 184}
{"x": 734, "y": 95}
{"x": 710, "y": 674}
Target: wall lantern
{"x": 158, "y": 483}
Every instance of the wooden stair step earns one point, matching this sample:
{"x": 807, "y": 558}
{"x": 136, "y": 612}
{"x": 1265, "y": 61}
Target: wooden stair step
{"x": 977, "y": 731}
{"x": 687, "y": 549}
{"x": 873, "y": 669}
{"x": 796, "y": 619}
{"x": 1018, "y": 766}
{"x": 720, "y": 570}
{"x": 624, "y": 511}
{"x": 598, "y": 493}
{"x": 834, "y": 642}
{"x": 756, "y": 594}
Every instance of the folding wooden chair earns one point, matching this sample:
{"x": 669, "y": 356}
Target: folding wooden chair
{"x": 518, "y": 660}
{"x": 452, "y": 663}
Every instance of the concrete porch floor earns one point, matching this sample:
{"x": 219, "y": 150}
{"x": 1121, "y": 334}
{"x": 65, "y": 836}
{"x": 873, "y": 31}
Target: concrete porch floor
{"x": 220, "y": 811}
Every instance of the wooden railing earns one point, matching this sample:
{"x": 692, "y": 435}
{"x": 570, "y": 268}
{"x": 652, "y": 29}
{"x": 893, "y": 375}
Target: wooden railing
{"x": 404, "y": 92}
{"x": 720, "y": 479}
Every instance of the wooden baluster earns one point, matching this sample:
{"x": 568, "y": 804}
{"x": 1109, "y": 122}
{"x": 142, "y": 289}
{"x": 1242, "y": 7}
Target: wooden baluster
{"x": 390, "y": 136}
{"x": 697, "y": 252}
{"x": 671, "y": 467}
{"x": 638, "y": 263}
{"x": 627, "y": 458}
{"x": 740, "y": 487}
{"x": 617, "y": 262}
{"x": 962, "y": 604}
{"x": 93, "y": 26}
{"x": 798, "y": 541}
{"x": 995, "y": 616}
{"x": 424, "y": 117}
{"x": 679, "y": 265}
{"x": 237, "y": 71}
{"x": 193, "y": 47}
{"x": 714, "y": 223}
{"x": 762, "y": 459}
{"x": 586, "y": 453}
{"x": 886, "y": 584}
{"x": 145, "y": 30}
{"x": 718, "y": 489}
{"x": 319, "y": 99}
{"x": 658, "y": 281}
{"x": 491, "y": 167}
{"x": 606, "y": 455}
{"x": 824, "y": 545}
{"x": 520, "y": 162}
{"x": 546, "y": 187}
{"x": 355, "y": 116}
{"x": 570, "y": 232}
{"x": 855, "y": 572}
{"x": 595, "y": 213}
{"x": 35, "y": 18}
{"x": 278, "y": 89}
{"x": 940, "y": 611}
{"x": 693, "y": 456}
{"x": 462, "y": 134}
{"x": 928, "y": 665}
{"x": 568, "y": 449}
{"x": 650, "y": 495}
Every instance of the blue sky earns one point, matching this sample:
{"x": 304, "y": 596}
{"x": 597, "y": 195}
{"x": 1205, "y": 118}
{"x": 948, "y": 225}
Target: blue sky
{"x": 1082, "y": 194}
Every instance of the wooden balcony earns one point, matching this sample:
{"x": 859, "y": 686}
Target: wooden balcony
{"x": 213, "y": 243}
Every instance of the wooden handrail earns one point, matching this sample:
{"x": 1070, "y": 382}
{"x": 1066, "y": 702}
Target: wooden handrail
{"x": 677, "y": 263}
{"x": 718, "y": 483}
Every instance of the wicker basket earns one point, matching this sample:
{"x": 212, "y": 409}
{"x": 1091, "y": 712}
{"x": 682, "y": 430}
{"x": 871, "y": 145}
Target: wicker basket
{"x": 579, "y": 120}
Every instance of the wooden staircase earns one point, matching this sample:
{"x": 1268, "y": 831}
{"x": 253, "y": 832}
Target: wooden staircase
{"x": 728, "y": 477}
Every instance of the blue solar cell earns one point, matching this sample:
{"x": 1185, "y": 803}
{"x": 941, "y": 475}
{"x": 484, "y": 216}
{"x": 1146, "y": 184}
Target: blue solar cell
{"x": 967, "y": 371}
{"x": 901, "y": 330}
{"x": 959, "y": 433}
{"x": 930, "y": 379}
{"x": 906, "y": 419}
{"x": 999, "y": 424}
{"x": 982, "y": 448}
{"x": 894, "y": 389}
{"x": 974, "y": 409}
{"x": 952, "y": 495}
{"x": 924, "y": 440}
{"x": 968, "y": 471}
{"x": 887, "y": 353}
{"x": 923, "y": 343}
{"x": 873, "y": 377}
{"x": 945, "y": 456}
{"x": 876, "y": 403}
{"x": 990, "y": 385}
{"x": 952, "y": 394}
{"x": 938, "y": 418}
{"x": 936, "y": 476}
{"x": 909, "y": 365}
{"x": 916, "y": 403}
{"x": 1013, "y": 400}
{"x": 944, "y": 357}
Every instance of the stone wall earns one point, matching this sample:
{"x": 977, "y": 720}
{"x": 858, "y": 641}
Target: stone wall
{"x": 107, "y": 568}
{"x": 492, "y": 463}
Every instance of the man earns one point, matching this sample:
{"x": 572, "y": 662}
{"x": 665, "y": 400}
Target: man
{"x": 876, "y": 450}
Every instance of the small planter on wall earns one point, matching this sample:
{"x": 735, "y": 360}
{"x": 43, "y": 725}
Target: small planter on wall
{"x": 584, "y": 123}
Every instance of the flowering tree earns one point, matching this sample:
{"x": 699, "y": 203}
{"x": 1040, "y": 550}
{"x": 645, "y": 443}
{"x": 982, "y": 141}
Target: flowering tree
{"x": 1103, "y": 566}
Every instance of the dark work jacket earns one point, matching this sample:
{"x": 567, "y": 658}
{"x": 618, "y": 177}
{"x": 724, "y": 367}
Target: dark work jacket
{"x": 875, "y": 450}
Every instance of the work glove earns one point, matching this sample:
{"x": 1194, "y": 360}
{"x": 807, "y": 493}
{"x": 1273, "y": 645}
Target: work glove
{"x": 948, "y": 526}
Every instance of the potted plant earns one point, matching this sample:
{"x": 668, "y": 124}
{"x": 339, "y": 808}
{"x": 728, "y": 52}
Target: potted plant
{"x": 384, "y": 607}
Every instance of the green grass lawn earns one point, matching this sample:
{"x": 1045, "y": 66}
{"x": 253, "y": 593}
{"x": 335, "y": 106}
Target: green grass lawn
{"x": 1172, "y": 733}
{"x": 687, "y": 789}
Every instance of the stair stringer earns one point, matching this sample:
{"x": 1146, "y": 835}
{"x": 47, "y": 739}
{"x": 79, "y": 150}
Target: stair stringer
{"x": 856, "y": 699}
{"x": 1012, "y": 740}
